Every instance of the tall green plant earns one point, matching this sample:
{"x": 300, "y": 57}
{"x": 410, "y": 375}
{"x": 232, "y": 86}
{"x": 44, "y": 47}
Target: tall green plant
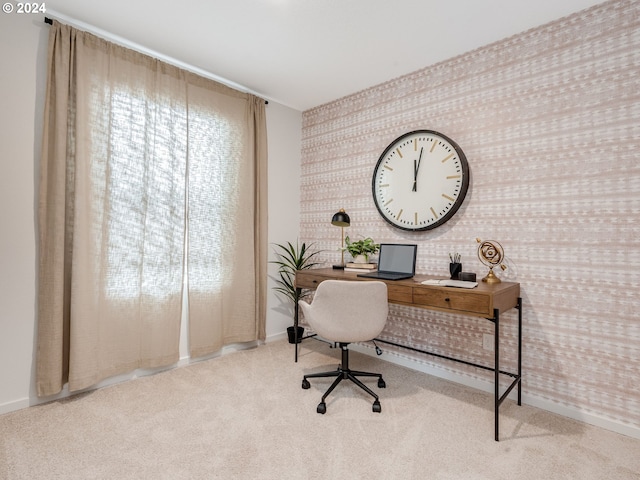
{"x": 290, "y": 259}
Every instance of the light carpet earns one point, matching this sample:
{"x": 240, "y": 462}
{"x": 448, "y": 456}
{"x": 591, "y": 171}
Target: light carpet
{"x": 245, "y": 416}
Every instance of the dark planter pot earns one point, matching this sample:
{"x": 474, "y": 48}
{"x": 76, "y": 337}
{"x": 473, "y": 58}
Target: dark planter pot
{"x": 291, "y": 334}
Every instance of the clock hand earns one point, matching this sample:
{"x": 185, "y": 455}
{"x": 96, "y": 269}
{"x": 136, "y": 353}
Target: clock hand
{"x": 416, "y": 167}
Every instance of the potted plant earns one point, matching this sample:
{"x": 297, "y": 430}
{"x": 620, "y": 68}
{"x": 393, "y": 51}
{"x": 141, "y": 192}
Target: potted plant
{"x": 292, "y": 258}
{"x": 361, "y": 249}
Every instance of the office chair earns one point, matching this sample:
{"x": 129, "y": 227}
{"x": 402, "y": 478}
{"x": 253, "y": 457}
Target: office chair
{"x": 344, "y": 312}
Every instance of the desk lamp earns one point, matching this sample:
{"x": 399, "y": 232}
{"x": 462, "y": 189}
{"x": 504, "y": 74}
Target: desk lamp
{"x": 341, "y": 219}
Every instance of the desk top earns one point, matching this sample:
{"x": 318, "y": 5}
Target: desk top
{"x": 480, "y": 301}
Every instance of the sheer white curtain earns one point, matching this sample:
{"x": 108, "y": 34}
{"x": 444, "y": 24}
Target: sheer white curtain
{"x": 136, "y": 154}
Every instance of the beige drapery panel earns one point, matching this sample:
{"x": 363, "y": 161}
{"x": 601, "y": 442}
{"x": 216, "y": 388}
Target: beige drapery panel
{"x": 140, "y": 160}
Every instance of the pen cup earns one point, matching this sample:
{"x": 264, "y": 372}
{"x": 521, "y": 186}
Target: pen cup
{"x": 454, "y": 270}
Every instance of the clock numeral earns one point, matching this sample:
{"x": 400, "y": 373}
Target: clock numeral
{"x": 388, "y": 167}
{"x": 448, "y": 198}
{"x": 434, "y": 212}
{"x": 399, "y": 214}
{"x": 399, "y": 152}
{"x": 454, "y": 177}
{"x": 447, "y": 158}
{"x": 415, "y": 218}
{"x": 388, "y": 202}
{"x": 433, "y": 146}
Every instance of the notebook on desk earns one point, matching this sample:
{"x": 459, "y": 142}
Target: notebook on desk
{"x": 396, "y": 261}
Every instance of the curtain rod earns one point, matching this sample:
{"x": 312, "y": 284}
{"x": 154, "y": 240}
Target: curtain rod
{"x": 49, "y": 21}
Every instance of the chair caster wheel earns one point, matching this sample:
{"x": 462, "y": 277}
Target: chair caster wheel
{"x": 322, "y": 408}
{"x": 381, "y": 383}
{"x": 376, "y": 407}
{"x": 305, "y": 384}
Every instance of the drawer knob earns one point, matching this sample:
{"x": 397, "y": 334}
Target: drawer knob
{"x": 447, "y": 299}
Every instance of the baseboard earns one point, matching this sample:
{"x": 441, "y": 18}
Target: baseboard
{"x": 487, "y": 386}
{"x": 276, "y": 337}
{"x": 14, "y": 405}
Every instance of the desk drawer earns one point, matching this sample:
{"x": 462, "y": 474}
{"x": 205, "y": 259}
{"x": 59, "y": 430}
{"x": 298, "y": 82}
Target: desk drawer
{"x": 453, "y": 300}
{"x": 308, "y": 280}
{"x": 396, "y": 293}
{"x": 399, "y": 293}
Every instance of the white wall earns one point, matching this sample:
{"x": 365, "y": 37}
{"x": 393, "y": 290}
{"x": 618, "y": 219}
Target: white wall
{"x": 23, "y": 53}
{"x": 285, "y": 133}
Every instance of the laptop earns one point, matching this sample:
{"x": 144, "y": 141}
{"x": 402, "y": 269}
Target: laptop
{"x": 396, "y": 261}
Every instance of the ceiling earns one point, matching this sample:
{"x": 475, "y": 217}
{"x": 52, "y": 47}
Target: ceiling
{"x": 303, "y": 53}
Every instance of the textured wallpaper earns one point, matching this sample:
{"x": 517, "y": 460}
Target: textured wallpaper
{"x": 549, "y": 121}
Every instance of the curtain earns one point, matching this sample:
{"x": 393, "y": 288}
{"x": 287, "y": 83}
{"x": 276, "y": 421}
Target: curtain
{"x": 151, "y": 179}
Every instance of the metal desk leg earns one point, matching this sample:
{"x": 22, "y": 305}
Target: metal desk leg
{"x": 296, "y": 313}
{"x": 496, "y": 366}
{"x": 517, "y": 378}
{"x": 519, "y": 307}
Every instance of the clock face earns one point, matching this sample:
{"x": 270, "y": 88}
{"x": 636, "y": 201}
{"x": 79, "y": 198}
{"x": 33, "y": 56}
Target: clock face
{"x": 420, "y": 180}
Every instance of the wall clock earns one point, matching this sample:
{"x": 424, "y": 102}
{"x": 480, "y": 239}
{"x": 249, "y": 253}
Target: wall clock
{"x": 420, "y": 180}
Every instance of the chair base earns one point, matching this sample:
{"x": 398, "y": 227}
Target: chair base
{"x": 345, "y": 373}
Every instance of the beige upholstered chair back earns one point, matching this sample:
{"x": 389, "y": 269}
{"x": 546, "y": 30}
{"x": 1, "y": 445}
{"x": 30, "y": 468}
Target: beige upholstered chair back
{"x": 347, "y": 311}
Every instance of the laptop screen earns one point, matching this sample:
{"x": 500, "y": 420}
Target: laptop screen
{"x": 396, "y": 257}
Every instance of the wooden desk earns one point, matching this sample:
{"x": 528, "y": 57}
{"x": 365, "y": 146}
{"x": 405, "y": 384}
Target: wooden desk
{"x": 485, "y": 301}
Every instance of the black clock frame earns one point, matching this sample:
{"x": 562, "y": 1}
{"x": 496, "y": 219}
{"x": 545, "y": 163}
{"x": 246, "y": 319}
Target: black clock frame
{"x": 466, "y": 174}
